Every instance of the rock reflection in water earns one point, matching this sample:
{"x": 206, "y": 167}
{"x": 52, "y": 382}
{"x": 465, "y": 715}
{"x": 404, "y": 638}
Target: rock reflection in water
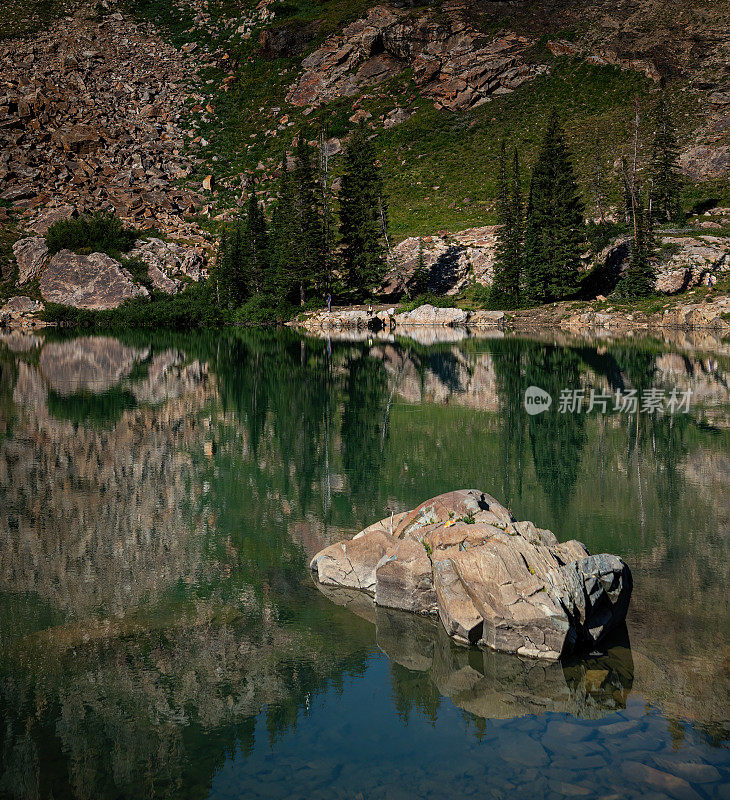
{"x": 161, "y": 496}
{"x": 488, "y": 684}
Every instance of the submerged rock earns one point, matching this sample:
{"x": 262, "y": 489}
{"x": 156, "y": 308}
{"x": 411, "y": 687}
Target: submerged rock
{"x": 492, "y": 580}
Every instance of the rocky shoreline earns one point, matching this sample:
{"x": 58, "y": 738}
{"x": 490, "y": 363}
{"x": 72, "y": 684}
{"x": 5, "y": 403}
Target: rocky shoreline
{"x": 704, "y": 315}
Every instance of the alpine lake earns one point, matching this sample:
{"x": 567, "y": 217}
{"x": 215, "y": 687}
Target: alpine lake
{"x": 161, "y": 496}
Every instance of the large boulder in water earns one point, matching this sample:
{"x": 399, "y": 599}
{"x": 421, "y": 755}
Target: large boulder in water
{"x": 492, "y": 580}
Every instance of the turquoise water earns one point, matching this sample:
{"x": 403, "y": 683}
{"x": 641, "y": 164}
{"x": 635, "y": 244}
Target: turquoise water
{"x": 160, "y": 634}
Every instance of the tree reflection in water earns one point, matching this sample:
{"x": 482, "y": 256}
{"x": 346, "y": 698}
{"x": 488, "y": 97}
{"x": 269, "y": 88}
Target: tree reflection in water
{"x": 157, "y": 520}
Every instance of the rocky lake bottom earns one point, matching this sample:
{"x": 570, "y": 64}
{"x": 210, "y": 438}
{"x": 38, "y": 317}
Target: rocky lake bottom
{"x": 162, "y": 495}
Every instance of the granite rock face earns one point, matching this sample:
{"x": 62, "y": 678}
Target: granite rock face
{"x": 19, "y": 312}
{"x": 688, "y": 260}
{"x": 169, "y": 258}
{"x": 31, "y": 254}
{"x": 452, "y": 260}
{"x": 452, "y": 63}
{"x": 95, "y": 281}
{"x": 21, "y": 305}
{"x": 431, "y": 315}
{"x": 706, "y": 161}
{"x": 492, "y": 580}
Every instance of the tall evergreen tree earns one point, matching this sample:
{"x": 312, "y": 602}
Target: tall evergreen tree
{"x": 363, "y": 215}
{"x": 506, "y": 290}
{"x": 311, "y": 261}
{"x": 638, "y": 280}
{"x": 243, "y": 264}
{"x": 230, "y": 277}
{"x": 420, "y": 279}
{"x": 328, "y": 225}
{"x": 255, "y": 243}
{"x": 554, "y": 229}
{"x": 284, "y": 239}
{"x": 664, "y": 169}
{"x": 627, "y": 196}
{"x": 598, "y": 179}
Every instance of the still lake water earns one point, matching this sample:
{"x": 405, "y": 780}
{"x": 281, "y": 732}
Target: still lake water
{"x": 161, "y": 636}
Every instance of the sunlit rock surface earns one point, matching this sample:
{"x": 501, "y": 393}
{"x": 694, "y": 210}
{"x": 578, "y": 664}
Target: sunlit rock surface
{"x": 95, "y": 281}
{"x": 505, "y": 584}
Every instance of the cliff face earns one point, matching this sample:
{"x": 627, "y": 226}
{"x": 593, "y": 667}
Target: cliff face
{"x": 473, "y": 51}
{"x": 452, "y": 63}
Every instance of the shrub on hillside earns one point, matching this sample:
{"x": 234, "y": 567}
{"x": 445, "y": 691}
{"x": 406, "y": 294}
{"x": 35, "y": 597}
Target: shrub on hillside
{"x": 436, "y": 300}
{"x": 193, "y": 308}
{"x": 100, "y": 233}
{"x": 264, "y": 310}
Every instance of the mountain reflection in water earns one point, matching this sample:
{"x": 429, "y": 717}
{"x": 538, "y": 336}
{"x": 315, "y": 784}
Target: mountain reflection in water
{"x": 160, "y": 634}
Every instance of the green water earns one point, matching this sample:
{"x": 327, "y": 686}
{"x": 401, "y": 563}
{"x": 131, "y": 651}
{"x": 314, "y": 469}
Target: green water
{"x": 160, "y": 634}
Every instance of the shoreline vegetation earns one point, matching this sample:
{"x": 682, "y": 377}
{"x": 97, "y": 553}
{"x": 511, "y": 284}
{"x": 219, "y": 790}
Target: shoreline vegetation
{"x": 282, "y": 265}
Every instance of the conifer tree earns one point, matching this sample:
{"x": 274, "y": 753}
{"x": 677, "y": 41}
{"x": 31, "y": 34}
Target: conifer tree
{"x": 310, "y": 266}
{"x": 255, "y": 244}
{"x": 284, "y": 240}
{"x": 363, "y": 215}
{"x": 506, "y": 290}
{"x": 554, "y": 229}
{"x": 419, "y": 281}
{"x": 664, "y": 168}
{"x": 598, "y": 179}
{"x": 230, "y": 277}
{"x": 638, "y": 280}
{"x": 628, "y": 201}
{"x": 328, "y": 225}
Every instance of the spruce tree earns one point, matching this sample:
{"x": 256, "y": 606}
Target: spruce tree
{"x": 554, "y": 229}
{"x": 363, "y": 215}
{"x": 506, "y": 291}
{"x": 311, "y": 264}
{"x": 255, "y": 244}
{"x": 664, "y": 169}
{"x": 627, "y": 195}
{"x": 420, "y": 279}
{"x": 638, "y": 280}
{"x": 328, "y": 225}
{"x": 284, "y": 240}
{"x": 231, "y": 276}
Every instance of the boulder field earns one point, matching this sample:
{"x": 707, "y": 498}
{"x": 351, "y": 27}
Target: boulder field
{"x": 492, "y": 580}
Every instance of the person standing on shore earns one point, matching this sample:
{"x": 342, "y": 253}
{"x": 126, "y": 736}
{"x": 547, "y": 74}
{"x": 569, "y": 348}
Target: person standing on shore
{"x": 329, "y": 303}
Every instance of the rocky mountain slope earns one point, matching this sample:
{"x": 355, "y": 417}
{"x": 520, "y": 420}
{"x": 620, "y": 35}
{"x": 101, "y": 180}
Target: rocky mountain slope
{"x": 160, "y": 111}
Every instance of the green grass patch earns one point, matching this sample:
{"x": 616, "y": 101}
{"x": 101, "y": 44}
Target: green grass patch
{"x": 23, "y": 17}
